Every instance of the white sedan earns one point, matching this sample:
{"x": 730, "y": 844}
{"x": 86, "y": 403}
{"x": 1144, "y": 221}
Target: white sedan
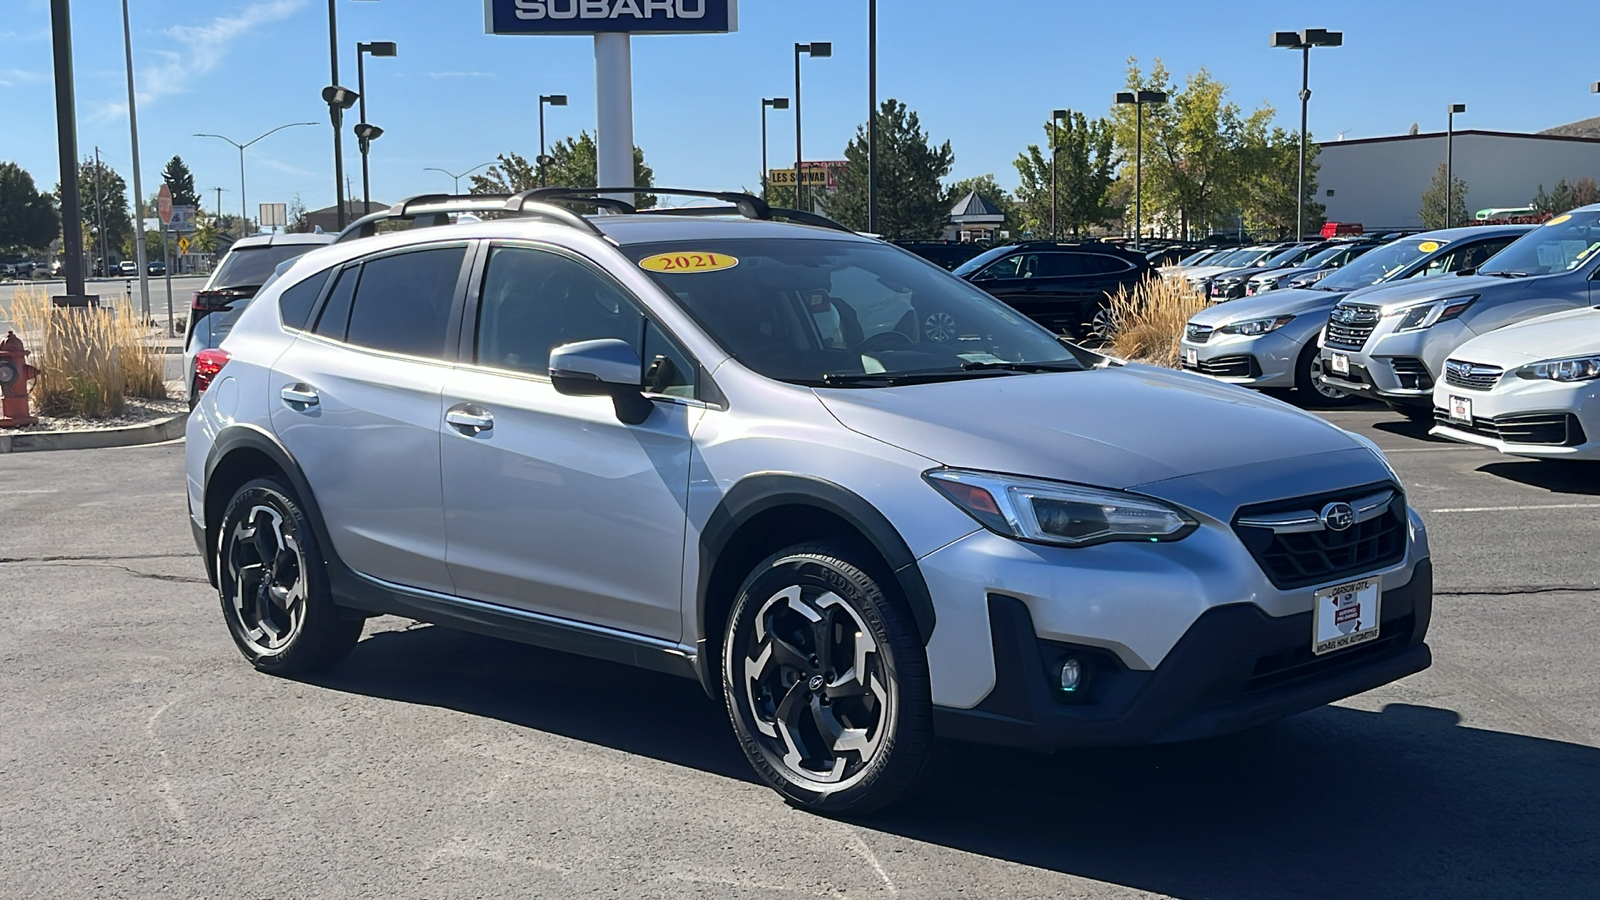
{"x": 1529, "y": 389}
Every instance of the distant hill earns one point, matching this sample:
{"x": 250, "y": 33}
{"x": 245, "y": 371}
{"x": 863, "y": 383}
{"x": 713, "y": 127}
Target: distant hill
{"x": 1589, "y": 128}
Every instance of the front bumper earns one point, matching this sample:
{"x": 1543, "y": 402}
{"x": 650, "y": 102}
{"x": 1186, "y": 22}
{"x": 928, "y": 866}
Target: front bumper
{"x": 1396, "y": 368}
{"x": 1525, "y": 417}
{"x": 1266, "y": 360}
{"x": 1235, "y": 667}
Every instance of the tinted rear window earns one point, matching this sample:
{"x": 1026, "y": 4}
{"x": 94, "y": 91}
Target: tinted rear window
{"x": 294, "y": 304}
{"x": 403, "y": 302}
{"x": 252, "y": 266}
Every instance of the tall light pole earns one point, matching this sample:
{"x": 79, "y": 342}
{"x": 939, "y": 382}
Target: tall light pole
{"x": 766, "y": 104}
{"x": 244, "y": 209}
{"x": 454, "y": 175}
{"x": 546, "y": 100}
{"x": 815, "y": 50}
{"x": 872, "y": 116}
{"x": 100, "y": 217}
{"x": 1056, "y": 115}
{"x": 1303, "y": 41}
{"x": 1138, "y": 99}
{"x": 1450, "y": 162}
{"x": 67, "y": 155}
{"x": 138, "y": 187}
{"x": 365, "y": 133}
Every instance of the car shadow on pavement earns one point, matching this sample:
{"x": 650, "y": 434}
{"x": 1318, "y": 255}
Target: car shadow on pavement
{"x": 1417, "y": 431}
{"x": 1336, "y": 802}
{"x": 1558, "y": 476}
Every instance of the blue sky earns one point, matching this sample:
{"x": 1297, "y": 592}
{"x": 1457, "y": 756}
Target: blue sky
{"x": 982, "y": 73}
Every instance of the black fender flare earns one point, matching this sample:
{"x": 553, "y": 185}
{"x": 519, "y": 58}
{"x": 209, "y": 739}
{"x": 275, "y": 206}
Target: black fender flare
{"x": 251, "y": 437}
{"x": 759, "y": 493}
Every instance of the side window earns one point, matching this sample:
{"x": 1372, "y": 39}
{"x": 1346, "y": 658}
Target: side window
{"x": 335, "y": 317}
{"x": 295, "y": 303}
{"x": 403, "y": 303}
{"x": 1058, "y": 265}
{"x": 534, "y": 301}
{"x": 1104, "y": 265}
{"x": 667, "y": 369}
{"x": 1480, "y": 253}
{"x": 1010, "y": 267}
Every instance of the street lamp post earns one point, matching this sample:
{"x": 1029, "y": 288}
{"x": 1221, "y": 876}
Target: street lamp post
{"x": 244, "y": 209}
{"x": 815, "y": 50}
{"x": 544, "y": 100}
{"x": 1450, "y": 162}
{"x": 339, "y": 99}
{"x": 365, "y": 133}
{"x": 872, "y": 116}
{"x": 1303, "y": 41}
{"x": 1056, "y": 115}
{"x": 766, "y": 104}
{"x": 1138, "y": 99}
{"x": 455, "y": 176}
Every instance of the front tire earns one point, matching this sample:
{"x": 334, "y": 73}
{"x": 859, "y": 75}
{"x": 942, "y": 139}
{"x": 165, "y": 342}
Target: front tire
{"x": 274, "y": 587}
{"x": 1313, "y": 393}
{"x": 826, "y": 682}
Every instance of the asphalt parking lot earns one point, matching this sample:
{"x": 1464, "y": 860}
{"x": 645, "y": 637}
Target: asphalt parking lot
{"x": 140, "y": 756}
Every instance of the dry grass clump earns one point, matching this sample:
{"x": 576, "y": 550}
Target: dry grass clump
{"x": 1147, "y": 323}
{"x": 88, "y": 359}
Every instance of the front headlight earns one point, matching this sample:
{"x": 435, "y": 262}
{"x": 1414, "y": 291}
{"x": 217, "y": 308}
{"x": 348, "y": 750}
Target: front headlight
{"x": 1252, "y": 327}
{"x": 1428, "y": 313}
{"x": 1051, "y": 512}
{"x": 1575, "y": 368}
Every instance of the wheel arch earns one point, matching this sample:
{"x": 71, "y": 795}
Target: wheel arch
{"x": 765, "y": 513}
{"x": 242, "y": 453}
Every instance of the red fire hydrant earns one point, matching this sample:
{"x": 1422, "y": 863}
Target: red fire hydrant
{"x": 15, "y": 373}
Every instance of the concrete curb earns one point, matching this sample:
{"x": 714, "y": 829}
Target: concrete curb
{"x": 131, "y": 436}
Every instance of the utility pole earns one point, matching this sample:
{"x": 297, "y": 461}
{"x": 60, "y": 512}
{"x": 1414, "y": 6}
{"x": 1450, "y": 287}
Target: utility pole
{"x": 67, "y": 154}
{"x": 872, "y": 116}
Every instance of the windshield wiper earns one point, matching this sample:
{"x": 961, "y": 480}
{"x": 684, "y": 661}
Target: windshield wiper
{"x": 1058, "y": 366}
{"x": 1505, "y": 274}
{"x": 893, "y": 379}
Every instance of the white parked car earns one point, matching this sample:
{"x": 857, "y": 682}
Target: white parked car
{"x": 1530, "y": 389}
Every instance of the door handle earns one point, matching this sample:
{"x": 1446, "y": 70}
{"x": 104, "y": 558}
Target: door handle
{"x": 468, "y": 419}
{"x": 300, "y": 396}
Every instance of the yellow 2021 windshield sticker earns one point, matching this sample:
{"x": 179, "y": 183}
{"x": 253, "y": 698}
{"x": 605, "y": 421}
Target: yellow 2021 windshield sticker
{"x": 688, "y": 261}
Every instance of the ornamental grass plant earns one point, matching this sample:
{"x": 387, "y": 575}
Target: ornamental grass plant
{"x": 89, "y": 359}
{"x": 1146, "y": 323}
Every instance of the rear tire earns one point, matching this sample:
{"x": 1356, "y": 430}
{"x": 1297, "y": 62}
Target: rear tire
{"x": 273, "y": 584}
{"x": 826, "y": 682}
{"x": 1313, "y": 393}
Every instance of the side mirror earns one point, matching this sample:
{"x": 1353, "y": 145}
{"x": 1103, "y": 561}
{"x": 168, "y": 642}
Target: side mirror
{"x": 602, "y": 368}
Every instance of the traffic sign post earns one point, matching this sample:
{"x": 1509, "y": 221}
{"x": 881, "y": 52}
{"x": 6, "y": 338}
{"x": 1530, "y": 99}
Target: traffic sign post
{"x": 164, "y": 210}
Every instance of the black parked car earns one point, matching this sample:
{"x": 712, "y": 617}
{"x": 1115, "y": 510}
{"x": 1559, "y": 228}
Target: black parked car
{"x": 947, "y": 254}
{"x": 1065, "y": 287}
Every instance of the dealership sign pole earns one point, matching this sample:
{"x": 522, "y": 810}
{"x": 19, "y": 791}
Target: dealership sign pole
{"x": 612, "y": 23}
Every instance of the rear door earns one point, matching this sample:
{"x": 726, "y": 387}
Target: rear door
{"x": 356, "y": 401}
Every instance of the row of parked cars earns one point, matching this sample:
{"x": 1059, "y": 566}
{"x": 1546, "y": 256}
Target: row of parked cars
{"x": 1489, "y": 332}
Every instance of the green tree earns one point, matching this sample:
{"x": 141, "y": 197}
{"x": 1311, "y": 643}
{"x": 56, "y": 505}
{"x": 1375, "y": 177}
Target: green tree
{"x": 986, "y": 186}
{"x": 180, "y": 181}
{"x": 28, "y": 218}
{"x": 104, "y": 199}
{"x": 1081, "y": 168}
{"x": 1271, "y": 172}
{"x": 1566, "y": 197}
{"x": 1199, "y": 148}
{"x": 911, "y": 200}
{"x": 296, "y": 214}
{"x": 1433, "y": 211}
{"x": 574, "y": 163}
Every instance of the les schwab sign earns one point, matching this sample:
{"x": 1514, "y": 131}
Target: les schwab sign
{"x": 611, "y": 16}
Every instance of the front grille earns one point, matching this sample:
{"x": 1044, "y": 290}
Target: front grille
{"x": 1350, "y": 326}
{"x": 1547, "y": 429}
{"x": 1296, "y": 554}
{"x": 1198, "y": 334}
{"x": 1472, "y": 376}
{"x": 1412, "y": 373}
{"x": 1241, "y": 366}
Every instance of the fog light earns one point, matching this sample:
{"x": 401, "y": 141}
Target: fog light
{"x": 1071, "y": 675}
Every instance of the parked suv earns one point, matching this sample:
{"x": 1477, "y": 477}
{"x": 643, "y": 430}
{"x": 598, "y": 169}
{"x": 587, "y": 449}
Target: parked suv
{"x": 1065, "y": 287}
{"x": 861, "y": 501}
{"x": 249, "y": 264}
{"x": 1391, "y": 345}
{"x": 1270, "y": 340}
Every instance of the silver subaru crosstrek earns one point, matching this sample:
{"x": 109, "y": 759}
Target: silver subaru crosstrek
{"x": 862, "y": 502}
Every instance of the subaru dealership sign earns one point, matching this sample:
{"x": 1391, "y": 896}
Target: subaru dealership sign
{"x": 611, "y": 16}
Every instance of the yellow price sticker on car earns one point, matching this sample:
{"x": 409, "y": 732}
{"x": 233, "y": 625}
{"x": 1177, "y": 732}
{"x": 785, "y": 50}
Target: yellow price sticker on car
{"x": 688, "y": 261}
{"x": 1428, "y": 246}
{"x": 1559, "y": 219}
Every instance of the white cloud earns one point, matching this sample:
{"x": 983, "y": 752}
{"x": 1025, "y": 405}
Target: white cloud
{"x": 201, "y": 49}
{"x": 19, "y": 77}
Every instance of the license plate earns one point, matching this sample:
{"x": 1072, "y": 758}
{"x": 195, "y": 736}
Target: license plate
{"x": 1461, "y": 410}
{"x": 1340, "y": 364}
{"x": 1191, "y": 356}
{"x": 1346, "y": 615}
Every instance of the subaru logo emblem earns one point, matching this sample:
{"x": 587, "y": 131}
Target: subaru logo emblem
{"x": 1337, "y": 516}
{"x": 816, "y": 683}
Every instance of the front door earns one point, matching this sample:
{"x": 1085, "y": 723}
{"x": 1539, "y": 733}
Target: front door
{"x": 551, "y": 504}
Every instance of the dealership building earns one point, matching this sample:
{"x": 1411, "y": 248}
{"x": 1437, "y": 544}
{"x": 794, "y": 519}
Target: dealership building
{"x": 1379, "y": 182}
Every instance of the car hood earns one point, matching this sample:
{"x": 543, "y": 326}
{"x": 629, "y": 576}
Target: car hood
{"x": 1281, "y": 272}
{"x": 1292, "y": 302}
{"x": 1241, "y": 272}
{"x": 1574, "y": 332}
{"x": 1411, "y": 290}
{"x": 1112, "y": 427}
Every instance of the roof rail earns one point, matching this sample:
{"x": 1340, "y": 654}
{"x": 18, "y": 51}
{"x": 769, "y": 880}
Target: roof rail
{"x": 426, "y": 210}
{"x": 747, "y": 205}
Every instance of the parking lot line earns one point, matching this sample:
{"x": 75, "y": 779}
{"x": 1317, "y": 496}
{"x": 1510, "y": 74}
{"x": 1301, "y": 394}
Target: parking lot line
{"x": 1477, "y": 509}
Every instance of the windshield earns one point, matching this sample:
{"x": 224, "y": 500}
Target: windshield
{"x": 1560, "y": 245}
{"x": 252, "y": 266}
{"x": 1319, "y": 260}
{"x": 981, "y": 260}
{"x": 1379, "y": 264}
{"x": 1194, "y": 259}
{"x": 1293, "y": 254}
{"x": 832, "y": 312}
